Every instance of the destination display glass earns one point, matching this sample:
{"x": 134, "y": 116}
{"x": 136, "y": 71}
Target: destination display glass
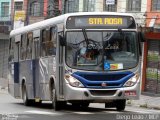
{"x": 100, "y": 22}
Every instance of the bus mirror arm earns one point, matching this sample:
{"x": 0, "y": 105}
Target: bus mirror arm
{"x": 62, "y": 41}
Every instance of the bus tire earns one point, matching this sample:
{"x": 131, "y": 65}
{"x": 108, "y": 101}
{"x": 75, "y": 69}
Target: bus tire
{"x": 26, "y": 101}
{"x": 76, "y": 105}
{"x": 55, "y": 103}
{"x": 85, "y": 104}
{"x": 120, "y": 104}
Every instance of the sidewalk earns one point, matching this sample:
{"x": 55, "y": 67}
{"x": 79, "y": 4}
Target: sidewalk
{"x": 3, "y": 83}
{"x": 145, "y": 101}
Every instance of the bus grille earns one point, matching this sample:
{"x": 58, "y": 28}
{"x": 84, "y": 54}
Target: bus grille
{"x": 104, "y": 77}
{"x": 102, "y": 92}
{"x": 103, "y": 80}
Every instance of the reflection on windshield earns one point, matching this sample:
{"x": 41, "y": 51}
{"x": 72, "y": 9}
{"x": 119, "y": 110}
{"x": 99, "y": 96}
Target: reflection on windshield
{"x": 101, "y": 50}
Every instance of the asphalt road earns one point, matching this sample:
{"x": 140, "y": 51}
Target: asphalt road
{"x": 13, "y": 109}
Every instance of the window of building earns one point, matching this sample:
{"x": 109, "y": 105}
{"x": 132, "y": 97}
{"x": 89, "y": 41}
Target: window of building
{"x": 53, "y": 8}
{"x": 89, "y": 5}
{"x": 133, "y": 5}
{"x": 155, "y": 5}
{"x": 18, "y": 6}
{"x": 111, "y": 7}
{"x": 72, "y": 6}
{"x": 35, "y": 9}
{"x": 5, "y": 9}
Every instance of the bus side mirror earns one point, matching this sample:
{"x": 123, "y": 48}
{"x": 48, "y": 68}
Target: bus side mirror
{"x": 141, "y": 37}
{"x": 62, "y": 40}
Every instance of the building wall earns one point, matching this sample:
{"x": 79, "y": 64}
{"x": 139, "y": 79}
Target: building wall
{"x": 4, "y": 38}
{"x": 98, "y": 5}
{"x": 3, "y": 57}
{"x": 152, "y": 14}
{"x": 140, "y": 18}
{"x": 45, "y": 8}
{"x": 33, "y": 19}
{"x": 81, "y": 5}
{"x": 151, "y": 68}
{"x": 121, "y": 6}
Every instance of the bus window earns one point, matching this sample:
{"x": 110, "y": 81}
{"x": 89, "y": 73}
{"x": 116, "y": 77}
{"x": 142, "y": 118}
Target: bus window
{"x": 22, "y": 48}
{"x": 49, "y": 42}
{"x": 29, "y": 45}
{"x": 11, "y": 50}
{"x": 53, "y": 40}
{"x": 36, "y": 52}
{"x": 43, "y": 50}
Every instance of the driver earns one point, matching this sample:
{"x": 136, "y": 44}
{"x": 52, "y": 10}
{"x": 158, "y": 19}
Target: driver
{"x": 86, "y": 53}
{"x": 89, "y": 54}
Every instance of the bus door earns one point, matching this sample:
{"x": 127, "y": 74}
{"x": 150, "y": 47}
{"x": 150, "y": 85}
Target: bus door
{"x": 15, "y": 66}
{"x": 11, "y": 67}
{"x": 60, "y": 67}
{"x": 35, "y": 65}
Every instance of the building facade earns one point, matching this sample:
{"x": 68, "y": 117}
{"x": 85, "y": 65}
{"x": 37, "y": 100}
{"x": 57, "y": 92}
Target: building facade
{"x": 136, "y": 7}
{"x": 69, "y": 6}
{"x": 5, "y": 27}
{"x": 38, "y": 10}
{"x": 151, "y": 63}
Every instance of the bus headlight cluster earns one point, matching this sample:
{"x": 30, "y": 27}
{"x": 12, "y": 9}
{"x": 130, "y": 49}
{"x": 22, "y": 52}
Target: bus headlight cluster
{"x": 73, "y": 81}
{"x": 132, "y": 81}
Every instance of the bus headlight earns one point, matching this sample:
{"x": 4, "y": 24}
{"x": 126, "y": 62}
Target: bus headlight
{"x": 73, "y": 81}
{"x": 132, "y": 81}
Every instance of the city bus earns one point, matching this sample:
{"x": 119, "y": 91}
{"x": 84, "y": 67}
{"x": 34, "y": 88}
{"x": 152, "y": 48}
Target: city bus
{"x": 77, "y": 59}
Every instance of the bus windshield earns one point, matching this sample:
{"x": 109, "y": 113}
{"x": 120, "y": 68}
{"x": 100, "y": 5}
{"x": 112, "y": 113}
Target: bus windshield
{"x": 101, "y": 50}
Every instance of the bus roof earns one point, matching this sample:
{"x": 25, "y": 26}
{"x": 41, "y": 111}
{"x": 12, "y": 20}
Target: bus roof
{"x": 59, "y": 19}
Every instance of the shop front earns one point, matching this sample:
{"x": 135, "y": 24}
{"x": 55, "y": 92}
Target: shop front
{"x": 151, "y": 63}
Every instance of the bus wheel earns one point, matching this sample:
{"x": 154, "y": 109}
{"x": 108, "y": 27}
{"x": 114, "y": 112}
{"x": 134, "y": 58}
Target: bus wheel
{"x": 120, "y": 105}
{"x": 26, "y": 101}
{"x": 55, "y": 103}
{"x": 76, "y": 105}
{"x": 85, "y": 104}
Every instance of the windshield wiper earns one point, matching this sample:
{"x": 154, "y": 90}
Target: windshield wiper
{"x": 85, "y": 37}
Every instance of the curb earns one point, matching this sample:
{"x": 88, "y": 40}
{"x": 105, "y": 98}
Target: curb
{"x": 153, "y": 107}
{"x": 145, "y": 106}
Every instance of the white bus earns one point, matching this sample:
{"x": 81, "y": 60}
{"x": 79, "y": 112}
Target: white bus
{"x": 76, "y": 58}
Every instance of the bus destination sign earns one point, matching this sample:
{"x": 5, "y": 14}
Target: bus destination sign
{"x": 105, "y": 21}
{"x": 100, "y": 22}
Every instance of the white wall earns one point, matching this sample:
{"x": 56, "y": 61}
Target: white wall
{"x": 98, "y": 5}
{"x": 140, "y": 18}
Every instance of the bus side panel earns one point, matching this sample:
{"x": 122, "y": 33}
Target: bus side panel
{"x": 52, "y": 67}
{"x": 44, "y": 79}
{"x": 26, "y": 72}
{"x": 13, "y": 85}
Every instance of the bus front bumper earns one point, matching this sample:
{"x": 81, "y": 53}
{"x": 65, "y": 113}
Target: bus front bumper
{"x": 97, "y": 95}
